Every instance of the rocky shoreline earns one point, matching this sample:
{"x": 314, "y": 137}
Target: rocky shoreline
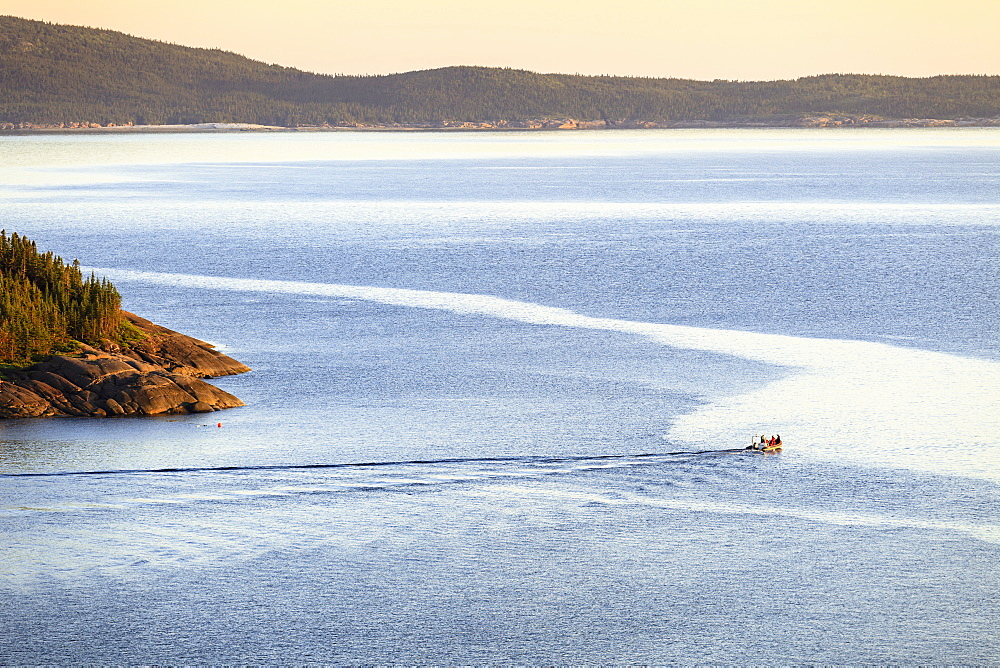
{"x": 159, "y": 375}
{"x": 806, "y": 121}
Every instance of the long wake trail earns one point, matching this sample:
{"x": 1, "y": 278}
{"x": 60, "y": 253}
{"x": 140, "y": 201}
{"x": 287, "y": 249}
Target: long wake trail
{"x": 845, "y": 400}
{"x": 538, "y": 460}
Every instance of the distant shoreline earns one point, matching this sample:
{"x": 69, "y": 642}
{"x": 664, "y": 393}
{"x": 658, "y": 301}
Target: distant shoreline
{"x": 63, "y": 78}
{"x": 542, "y": 125}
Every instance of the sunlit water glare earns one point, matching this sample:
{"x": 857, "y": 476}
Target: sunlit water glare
{"x": 502, "y": 385}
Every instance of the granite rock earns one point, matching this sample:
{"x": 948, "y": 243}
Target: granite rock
{"x": 159, "y": 375}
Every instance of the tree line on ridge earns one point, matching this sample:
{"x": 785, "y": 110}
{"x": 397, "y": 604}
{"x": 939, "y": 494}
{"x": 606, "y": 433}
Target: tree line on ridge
{"x": 57, "y": 74}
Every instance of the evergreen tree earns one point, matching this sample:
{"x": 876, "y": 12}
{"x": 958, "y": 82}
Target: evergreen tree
{"x": 46, "y": 305}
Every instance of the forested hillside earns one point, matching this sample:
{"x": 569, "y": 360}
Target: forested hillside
{"x": 56, "y": 74}
{"x": 46, "y": 304}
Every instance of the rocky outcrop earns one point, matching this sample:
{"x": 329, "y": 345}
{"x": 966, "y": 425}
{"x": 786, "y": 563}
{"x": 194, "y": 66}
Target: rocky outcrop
{"x": 179, "y": 353}
{"x": 160, "y": 375}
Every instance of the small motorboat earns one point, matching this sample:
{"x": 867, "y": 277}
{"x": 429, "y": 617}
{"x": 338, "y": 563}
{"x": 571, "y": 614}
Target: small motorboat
{"x": 763, "y": 446}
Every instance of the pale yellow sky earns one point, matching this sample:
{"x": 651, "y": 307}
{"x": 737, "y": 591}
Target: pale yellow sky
{"x": 699, "y": 39}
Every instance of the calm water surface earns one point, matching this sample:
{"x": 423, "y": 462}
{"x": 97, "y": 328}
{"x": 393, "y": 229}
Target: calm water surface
{"x": 499, "y": 385}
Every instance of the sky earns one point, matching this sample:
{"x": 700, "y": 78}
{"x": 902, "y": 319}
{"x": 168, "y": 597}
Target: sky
{"x": 695, "y": 39}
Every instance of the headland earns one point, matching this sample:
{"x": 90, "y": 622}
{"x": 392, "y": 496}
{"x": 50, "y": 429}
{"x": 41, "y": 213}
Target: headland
{"x": 158, "y": 375}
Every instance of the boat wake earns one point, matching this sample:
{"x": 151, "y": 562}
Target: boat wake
{"x": 126, "y": 523}
{"x": 859, "y": 401}
{"x": 573, "y": 462}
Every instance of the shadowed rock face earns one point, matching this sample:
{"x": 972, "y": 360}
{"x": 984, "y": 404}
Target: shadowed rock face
{"x": 160, "y": 375}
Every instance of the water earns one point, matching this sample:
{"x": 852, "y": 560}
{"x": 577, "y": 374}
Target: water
{"x": 500, "y": 382}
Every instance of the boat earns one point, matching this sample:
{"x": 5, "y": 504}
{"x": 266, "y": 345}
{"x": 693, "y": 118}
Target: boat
{"x": 764, "y": 447}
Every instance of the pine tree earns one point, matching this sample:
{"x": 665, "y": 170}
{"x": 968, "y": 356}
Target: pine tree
{"x": 46, "y": 305}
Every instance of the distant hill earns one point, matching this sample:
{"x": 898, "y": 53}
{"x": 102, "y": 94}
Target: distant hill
{"x": 56, "y": 74}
